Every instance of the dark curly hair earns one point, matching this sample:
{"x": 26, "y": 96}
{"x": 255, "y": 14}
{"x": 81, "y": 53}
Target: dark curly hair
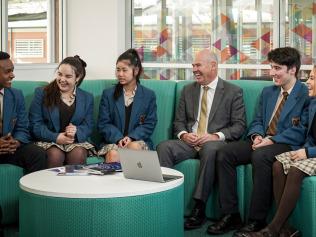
{"x": 4, "y": 55}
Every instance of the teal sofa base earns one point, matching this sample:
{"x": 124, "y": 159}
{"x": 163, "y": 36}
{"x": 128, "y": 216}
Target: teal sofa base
{"x": 9, "y": 196}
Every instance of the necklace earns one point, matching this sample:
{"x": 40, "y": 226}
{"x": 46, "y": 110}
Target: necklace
{"x": 68, "y": 100}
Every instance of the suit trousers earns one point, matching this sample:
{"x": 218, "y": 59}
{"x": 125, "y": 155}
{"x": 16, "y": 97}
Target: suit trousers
{"x": 173, "y": 152}
{"x": 30, "y": 157}
{"x": 241, "y": 153}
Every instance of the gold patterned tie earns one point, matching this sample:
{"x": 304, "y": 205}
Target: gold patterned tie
{"x": 203, "y": 113}
{"x": 273, "y": 124}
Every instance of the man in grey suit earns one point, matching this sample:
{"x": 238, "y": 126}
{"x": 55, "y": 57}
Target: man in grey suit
{"x": 210, "y": 113}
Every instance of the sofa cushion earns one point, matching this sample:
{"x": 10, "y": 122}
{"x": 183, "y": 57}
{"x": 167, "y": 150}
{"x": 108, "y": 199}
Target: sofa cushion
{"x": 96, "y": 87}
{"x": 251, "y": 94}
{"x": 28, "y": 87}
{"x": 165, "y": 99}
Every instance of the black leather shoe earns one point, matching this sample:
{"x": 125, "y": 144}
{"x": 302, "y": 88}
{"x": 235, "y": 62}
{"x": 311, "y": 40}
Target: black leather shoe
{"x": 196, "y": 220}
{"x": 225, "y": 224}
{"x": 252, "y": 226}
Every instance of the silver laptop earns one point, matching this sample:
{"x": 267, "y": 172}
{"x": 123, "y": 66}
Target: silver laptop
{"x": 143, "y": 165}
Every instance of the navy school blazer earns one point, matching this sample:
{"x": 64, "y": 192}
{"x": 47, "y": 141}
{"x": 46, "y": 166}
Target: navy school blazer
{"x": 15, "y": 119}
{"x": 45, "y": 122}
{"x": 310, "y": 143}
{"x": 291, "y": 127}
{"x": 143, "y": 119}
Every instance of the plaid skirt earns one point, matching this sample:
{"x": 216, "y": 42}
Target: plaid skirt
{"x": 308, "y": 166}
{"x": 67, "y": 148}
{"x": 108, "y": 147}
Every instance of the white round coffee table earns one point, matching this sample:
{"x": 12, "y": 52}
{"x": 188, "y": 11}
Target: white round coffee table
{"x": 109, "y": 205}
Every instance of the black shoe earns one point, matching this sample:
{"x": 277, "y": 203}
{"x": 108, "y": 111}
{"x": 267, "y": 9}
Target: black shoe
{"x": 252, "y": 226}
{"x": 225, "y": 224}
{"x": 196, "y": 220}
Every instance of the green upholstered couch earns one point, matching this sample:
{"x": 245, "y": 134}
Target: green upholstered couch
{"x": 168, "y": 93}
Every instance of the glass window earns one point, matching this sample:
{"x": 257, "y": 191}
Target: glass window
{"x": 299, "y": 22}
{"x": 241, "y": 32}
{"x": 33, "y": 30}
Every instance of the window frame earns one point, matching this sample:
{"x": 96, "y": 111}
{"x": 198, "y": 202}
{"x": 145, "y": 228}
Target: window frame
{"x": 51, "y": 39}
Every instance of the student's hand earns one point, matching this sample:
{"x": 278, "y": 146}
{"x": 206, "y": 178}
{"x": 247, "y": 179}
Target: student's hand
{"x": 71, "y": 130}
{"x": 63, "y": 139}
{"x": 13, "y": 145}
{"x": 124, "y": 142}
{"x": 8, "y": 144}
{"x": 264, "y": 142}
{"x": 256, "y": 141}
{"x": 190, "y": 138}
{"x": 206, "y": 138}
{"x": 298, "y": 155}
{"x": 4, "y": 145}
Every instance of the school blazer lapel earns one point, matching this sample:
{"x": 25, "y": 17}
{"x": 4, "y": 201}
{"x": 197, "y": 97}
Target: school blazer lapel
{"x": 54, "y": 117}
{"x": 271, "y": 105}
{"x": 312, "y": 111}
{"x": 291, "y": 101}
{"x": 137, "y": 104}
{"x": 120, "y": 106}
{"x": 8, "y": 108}
{"x": 80, "y": 105}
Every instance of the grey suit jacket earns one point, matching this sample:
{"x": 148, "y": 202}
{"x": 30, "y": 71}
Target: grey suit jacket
{"x": 227, "y": 114}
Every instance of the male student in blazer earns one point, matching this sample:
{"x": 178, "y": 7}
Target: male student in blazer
{"x": 224, "y": 121}
{"x": 15, "y": 146}
{"x": 267, "y": 137}
{"x": 14, "y": 135}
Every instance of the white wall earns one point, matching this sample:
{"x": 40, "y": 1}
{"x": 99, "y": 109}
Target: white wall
{"x": 95, "y": 30}
{"x": 29, "y": 72}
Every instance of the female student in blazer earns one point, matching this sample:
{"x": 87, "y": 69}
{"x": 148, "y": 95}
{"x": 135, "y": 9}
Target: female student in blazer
{"x": 61, "y": 115}
{"x": 127, "y": 114}
{"x": 289, "y": 171}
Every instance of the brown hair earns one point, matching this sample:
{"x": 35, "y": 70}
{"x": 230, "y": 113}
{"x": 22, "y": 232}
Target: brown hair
{"x": 52, "y": 93}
